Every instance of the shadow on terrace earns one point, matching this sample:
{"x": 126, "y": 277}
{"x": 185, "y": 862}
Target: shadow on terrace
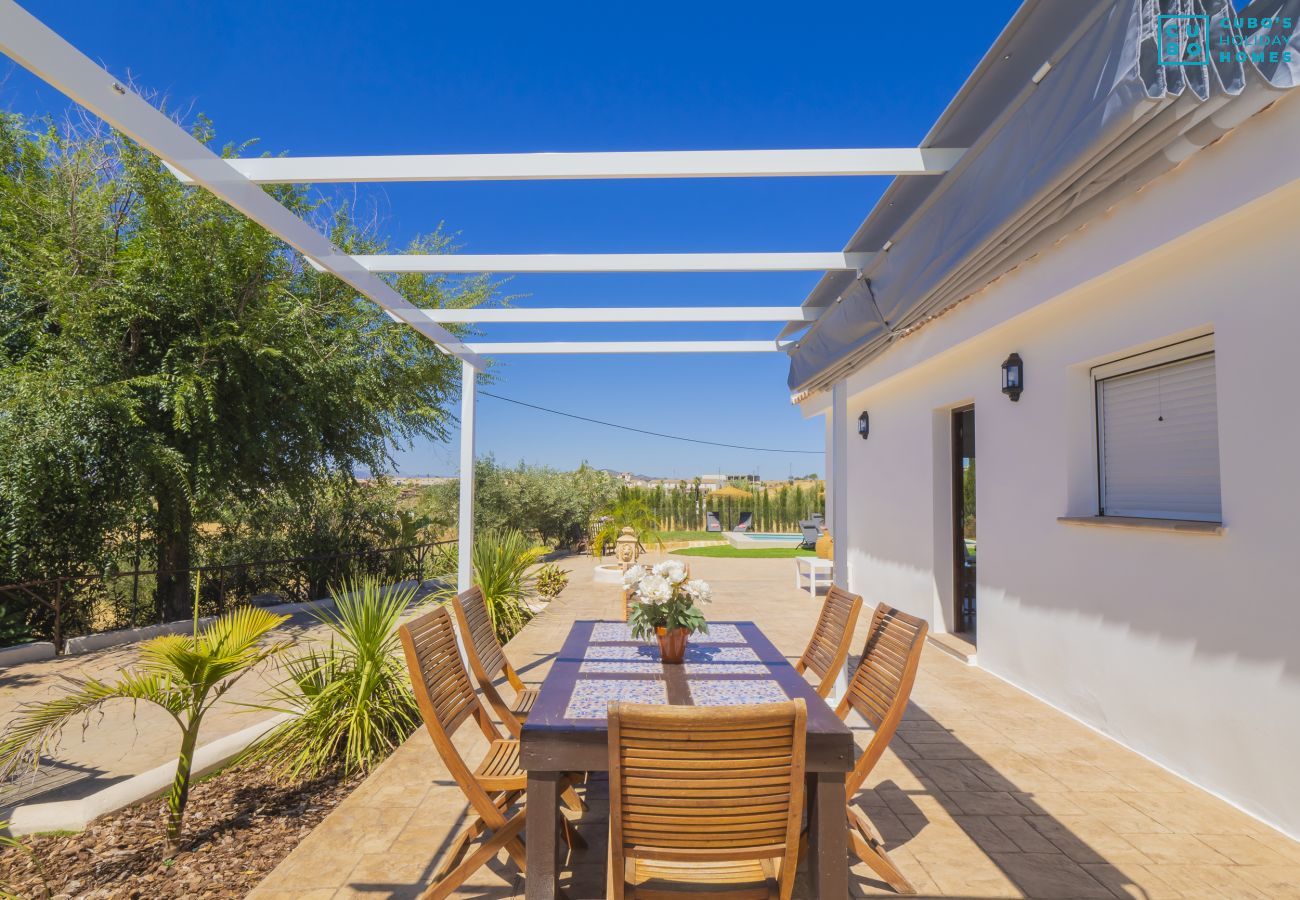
{"x": 986, "y": 792}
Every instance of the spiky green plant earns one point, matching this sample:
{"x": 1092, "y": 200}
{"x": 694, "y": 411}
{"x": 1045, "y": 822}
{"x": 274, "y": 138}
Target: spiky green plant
{"x": 443, "y": 561}
{"x": 183, "y": 674}
{"x": 503, "y": 570}
{"x": 352, "y": 700}
{"x": 503, "y": 563}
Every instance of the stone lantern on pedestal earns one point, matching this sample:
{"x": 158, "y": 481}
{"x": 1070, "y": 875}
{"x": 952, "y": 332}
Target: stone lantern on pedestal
{"x": 627, "y": 548}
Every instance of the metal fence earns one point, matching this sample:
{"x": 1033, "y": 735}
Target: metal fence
{"x": 74, "y": 605}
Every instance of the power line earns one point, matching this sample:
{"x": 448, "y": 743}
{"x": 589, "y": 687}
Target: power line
{"x": 671, "y": 437}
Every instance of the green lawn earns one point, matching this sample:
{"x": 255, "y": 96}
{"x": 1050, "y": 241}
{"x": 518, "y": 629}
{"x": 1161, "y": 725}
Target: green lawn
{"x": 691, "y": 536}
{"x": 727, "y": 551}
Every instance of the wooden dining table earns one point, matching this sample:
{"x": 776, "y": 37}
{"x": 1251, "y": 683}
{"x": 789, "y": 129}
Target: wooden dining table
{"x": 735, "y": 663}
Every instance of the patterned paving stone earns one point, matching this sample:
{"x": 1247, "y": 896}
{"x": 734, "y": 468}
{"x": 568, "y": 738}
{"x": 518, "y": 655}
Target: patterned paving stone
{"x": 990, "y": 794}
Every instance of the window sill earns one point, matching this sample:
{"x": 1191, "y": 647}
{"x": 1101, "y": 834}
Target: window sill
{"x": 1178, "y": 526}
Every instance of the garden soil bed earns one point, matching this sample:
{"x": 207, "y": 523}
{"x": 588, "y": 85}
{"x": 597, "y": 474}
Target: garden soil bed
{"x": 238, "y": 826}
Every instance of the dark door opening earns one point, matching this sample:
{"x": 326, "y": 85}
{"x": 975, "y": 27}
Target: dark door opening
{"x": 963, "y": 520}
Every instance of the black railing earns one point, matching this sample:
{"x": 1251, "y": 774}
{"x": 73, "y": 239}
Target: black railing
{"x": 75, "y": 605}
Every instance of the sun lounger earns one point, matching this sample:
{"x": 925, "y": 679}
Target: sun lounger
{"x": 810, "y": 533}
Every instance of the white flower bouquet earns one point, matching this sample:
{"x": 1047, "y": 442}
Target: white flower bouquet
{"x": 664, "y": 602}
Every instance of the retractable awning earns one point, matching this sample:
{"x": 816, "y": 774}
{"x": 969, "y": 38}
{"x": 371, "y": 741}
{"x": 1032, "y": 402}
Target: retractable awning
{"x": 1119, "y": 93}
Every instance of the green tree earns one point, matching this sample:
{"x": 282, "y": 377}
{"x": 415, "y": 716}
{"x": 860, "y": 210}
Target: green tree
{"x": 338, "y": 526}
{"x": 554, "y": 507}
{"x": 208, "y": 360}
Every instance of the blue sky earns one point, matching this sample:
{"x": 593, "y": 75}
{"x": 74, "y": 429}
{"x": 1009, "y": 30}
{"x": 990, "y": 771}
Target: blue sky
{"x": 321, "y": 78}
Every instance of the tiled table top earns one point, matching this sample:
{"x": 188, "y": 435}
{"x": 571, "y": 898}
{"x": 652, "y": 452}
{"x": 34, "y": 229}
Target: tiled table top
{"x": 619, "y": 632}
{"x": 600, "y": 661}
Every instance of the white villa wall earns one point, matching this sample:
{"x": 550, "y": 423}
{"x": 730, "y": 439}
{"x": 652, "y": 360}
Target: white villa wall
{"x": 1184, "y": 647}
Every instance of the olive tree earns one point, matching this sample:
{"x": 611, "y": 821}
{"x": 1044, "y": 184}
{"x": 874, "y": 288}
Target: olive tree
{"x": 209, "y": 361}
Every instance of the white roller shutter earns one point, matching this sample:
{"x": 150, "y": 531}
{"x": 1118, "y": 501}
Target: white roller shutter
{"x": 1158, "y": 435}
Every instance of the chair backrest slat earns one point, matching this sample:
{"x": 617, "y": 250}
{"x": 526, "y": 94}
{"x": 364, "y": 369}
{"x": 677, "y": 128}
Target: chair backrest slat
{"x": 437, "y": 674}
{"x": 888, "y": 666}
{"x": 481, "y": 633}
{"x": 720, "y": 783}
{"x": 829, "y": 645}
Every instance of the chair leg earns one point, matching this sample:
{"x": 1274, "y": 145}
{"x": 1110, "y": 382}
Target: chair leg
{"x": 614, "y": 889}
{"x": 572, "y": 800}
{"x": 515, "y": 848}
{"x": 870, "y": 848}
{"x": 571, "y": 836}
{"x": 457, "y": 848}
{"x": 442, "y": 887}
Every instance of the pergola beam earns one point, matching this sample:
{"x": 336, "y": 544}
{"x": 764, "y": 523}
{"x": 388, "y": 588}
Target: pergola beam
{"x": 591, "y": 166}
{"x": 35, "y": 47}
{"x": 453, "y": 263}
{"x": 588, "y": 347}
{"x": 515, "y": 315}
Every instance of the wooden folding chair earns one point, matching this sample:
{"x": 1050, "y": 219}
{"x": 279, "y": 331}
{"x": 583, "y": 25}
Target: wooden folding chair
{"x": 705, "y": 796}
{"x": 828, "y": 648}
{"x": 879, "y": 691}
{"x": 446, "y": 699}
{"x": 487, "y": 660}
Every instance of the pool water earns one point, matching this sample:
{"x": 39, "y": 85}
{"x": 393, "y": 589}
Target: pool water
{"x": 762, "y": 539}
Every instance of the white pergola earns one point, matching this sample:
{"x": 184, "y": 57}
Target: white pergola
{"x": 238, "y": 182}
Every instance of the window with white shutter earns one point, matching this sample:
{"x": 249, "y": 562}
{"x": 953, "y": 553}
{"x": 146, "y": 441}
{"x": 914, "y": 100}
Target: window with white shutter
{"x": 1158, "y": 434}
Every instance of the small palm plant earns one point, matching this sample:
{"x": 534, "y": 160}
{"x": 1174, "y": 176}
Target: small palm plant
{"x": 503, "y": 570}
{"x": 184, "y": 674}
{"x": 630, "y": 512}
{"x": 503, "y": 563}
{"x": 351, "y": 701}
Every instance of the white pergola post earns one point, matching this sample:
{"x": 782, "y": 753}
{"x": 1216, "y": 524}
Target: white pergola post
{"x": 837, "y": 500}
{"x": 465, "y": 527}
{"x": 465, "y": 535}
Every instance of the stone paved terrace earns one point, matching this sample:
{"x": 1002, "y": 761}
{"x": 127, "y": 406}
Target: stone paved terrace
{"x": 986, "y": 793}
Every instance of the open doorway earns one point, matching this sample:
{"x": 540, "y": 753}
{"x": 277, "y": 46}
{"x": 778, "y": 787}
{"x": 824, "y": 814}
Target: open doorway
{"x": 963, "y": 517}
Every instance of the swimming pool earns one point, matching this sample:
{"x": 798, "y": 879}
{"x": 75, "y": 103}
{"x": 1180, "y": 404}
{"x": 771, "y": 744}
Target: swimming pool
{"x": 752, "y": 539}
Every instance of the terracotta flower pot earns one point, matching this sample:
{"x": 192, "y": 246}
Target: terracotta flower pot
{"x": 672, "y": 644}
